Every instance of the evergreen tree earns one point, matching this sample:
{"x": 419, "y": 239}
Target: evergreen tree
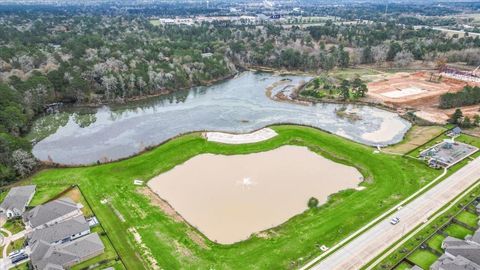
{"x": 456, "y": 116}
{"x": 345, "y": 89}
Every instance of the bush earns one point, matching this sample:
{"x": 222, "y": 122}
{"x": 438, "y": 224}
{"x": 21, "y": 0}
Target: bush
{"x": 312, "y": 202}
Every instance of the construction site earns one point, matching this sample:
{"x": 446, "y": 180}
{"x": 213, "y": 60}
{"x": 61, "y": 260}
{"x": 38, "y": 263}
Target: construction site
{"x": 421, "y": 91}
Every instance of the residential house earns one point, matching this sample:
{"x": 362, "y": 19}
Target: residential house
{"x": 460, "y": 254}
{"x": 47, "y": 256}
{"x": 51, "y": 213}
{"x": 59, "y": 233}
{"x": 446, "y": 262}
{"x": 17, "y": 200}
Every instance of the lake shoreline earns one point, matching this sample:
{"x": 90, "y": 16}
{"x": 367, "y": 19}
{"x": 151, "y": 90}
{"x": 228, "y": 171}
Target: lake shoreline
{"x": 239, "y": 105}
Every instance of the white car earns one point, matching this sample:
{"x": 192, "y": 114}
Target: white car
{"x": 395, "y": 221}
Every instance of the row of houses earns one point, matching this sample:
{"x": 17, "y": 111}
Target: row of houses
{"x": 460, "y": 254}
{"x": 58, "y": 235}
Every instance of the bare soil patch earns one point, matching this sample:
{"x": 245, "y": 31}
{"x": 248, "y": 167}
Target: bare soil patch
{"x": 418, "y": 91}
{"x": 163, "y": 205}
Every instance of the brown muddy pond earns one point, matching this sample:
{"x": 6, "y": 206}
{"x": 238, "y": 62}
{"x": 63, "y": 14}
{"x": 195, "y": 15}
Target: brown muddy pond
{"x": 228, "y": 198}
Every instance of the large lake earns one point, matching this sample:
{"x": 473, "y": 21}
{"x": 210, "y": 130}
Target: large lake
{"x": 238, "y": 105}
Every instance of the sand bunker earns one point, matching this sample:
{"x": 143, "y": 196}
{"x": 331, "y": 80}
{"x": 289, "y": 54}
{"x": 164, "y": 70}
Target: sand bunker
{"x": 228, "y": 138}
{"x": 230, "y": 197}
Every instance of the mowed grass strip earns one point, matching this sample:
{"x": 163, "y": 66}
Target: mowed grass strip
{"x": 175, "y": 245}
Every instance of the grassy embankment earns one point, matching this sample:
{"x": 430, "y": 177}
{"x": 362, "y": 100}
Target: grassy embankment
{"x": 416, "y": 137}
{"x": 389, "y": 179}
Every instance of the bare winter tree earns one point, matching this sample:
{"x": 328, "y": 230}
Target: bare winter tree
{"x": 403, "y": 59}
{"x": 380, "y": 54}
{"x": 23, "y": 162}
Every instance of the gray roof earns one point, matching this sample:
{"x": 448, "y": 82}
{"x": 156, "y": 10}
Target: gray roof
{"x": 457, "y": 263}
{"x": 59, "y": 231}
{"x": 457, "y": 130}
{"x": 453, "y": 242}
{"x": 47, "y": 256}
{"x": 475, "y": 238}
{"x": 50, "y": 211}
{"x": 17, "y": 198}
{"x": 457, "y": 247}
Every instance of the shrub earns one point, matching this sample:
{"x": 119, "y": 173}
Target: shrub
{"x": 312, "y": 202}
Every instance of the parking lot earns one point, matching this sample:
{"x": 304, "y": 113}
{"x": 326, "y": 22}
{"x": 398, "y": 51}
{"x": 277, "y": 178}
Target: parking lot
{"x": 447, "y": 153}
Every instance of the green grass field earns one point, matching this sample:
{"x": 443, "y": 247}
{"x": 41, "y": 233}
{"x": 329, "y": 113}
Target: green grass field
{"x": 423, "y": 258}
{"x": 389, "y": 179}
{"x": 468, "y": 218}
{"x": 415, "y": 137}
{"x": 436, "y": 242}
{"x": 403, "y": 266}
{"x": 457, "y": 231}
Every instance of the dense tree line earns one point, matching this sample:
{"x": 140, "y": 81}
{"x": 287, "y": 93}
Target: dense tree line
{"x": 81, "y": 57}
{"x": 470, "y": 95}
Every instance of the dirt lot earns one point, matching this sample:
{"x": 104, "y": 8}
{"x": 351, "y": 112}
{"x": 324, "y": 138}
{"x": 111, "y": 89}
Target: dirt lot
{"x": 419, "y": 91}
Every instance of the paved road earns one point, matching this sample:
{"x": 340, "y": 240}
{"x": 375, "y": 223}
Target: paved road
{"x": 373, "y": 242}
{"x": 460, "y": 33}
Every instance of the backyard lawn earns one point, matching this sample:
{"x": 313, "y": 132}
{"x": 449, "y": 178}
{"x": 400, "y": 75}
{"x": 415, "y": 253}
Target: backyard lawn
{"x": 436, "y": 242}
{"x": 468, "y": 218}
{"x": 457, "y": 231}
{"x": 172, "y": 244}
{"x": 423, "y": 258}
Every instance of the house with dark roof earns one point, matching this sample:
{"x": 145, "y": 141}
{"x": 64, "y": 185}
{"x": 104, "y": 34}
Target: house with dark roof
{"x": 61, "y": 256}
{"x": 58, "y": 233}
{"x": 51, "y": 213}
{"x": 455, "y": 132}
{"x": 460, "y": 254}
{"x": 17, "y": 200}
{"x": 446, "y": 262}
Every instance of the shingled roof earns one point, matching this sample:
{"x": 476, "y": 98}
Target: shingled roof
{"x": 47, "y": 256}
{"x": 59, "y": 231}
{"x": 50, "y": 211}
{"x": 18, "y": 198}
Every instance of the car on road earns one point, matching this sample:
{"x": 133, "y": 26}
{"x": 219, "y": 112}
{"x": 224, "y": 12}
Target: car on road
{"x": 18, "y": 258}
{"x": 15, "y": 253}
{"x": 395, "y": 221}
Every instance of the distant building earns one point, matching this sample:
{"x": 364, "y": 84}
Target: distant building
{"x": 207, "y": 55}
{"x": 47, "y": 256}
{"x": 50, "y": 213}
{"x": 455, "y": 132}
{"x": 17, "y": 199}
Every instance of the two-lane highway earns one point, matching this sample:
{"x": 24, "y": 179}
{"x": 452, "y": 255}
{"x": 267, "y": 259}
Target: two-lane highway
{"x": 374, "y": 241}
